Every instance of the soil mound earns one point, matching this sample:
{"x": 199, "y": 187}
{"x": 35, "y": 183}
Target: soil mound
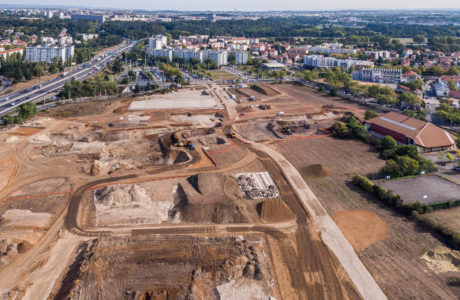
{"x": 210, "y": 183}
{"x": 121, "y": 110}
{"x": 443, "y": 259}
{"x": 317, "y": 171}
{"x": 274, "y": 210}
{"x": 362, "y": 228}
{"x": 122, "y": 195}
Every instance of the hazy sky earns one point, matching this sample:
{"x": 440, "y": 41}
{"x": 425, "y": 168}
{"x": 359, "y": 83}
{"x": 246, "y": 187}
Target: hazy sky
{"x": 259, "y": 5}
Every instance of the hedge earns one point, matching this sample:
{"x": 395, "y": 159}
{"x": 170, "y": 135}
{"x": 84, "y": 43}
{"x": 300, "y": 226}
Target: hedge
{"x": 452, "y": 237}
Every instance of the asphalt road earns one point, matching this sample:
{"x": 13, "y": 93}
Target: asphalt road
{"x": 10, "y": 102}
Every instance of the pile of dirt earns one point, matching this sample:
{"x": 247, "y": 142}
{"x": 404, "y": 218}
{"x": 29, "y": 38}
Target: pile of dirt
{"x": 122, "y": 195}
{"x": 121, "y": 109}
{"x": 274, "y": 210}
{"x": 443, "y": 259}
{"x": 202, "y": 200}
{"x": 8, "y": 251}
{"x": 317, "y": 171}
{"x": 362, "y": 228}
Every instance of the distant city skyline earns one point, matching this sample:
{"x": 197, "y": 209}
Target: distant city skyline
{"x": 244, "y": 5}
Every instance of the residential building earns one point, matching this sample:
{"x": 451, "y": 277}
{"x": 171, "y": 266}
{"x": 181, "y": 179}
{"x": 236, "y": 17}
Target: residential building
{"x": 379, "y": 54}
{"x": 331, "y": 48}
{"x": 218, "y": 56}
{"x": 241, "y": 57}
{"x": 380, "y": 75}
{"x": 5, "y": 53}
{"x": 319, "y": 61}
{"x": 46, "y": 54}
{"x": 94, "y": 18}
{"x": 87, "y": 37}
{"x": 410, "y": 76}
{"x": 409, "y": 131}
{"x": 163, "y": 53}
{"x": 441, "y": 86}
{"x": 157, "y": 42}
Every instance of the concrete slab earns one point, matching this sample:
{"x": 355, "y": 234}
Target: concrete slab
{"x": 181, "y": 100}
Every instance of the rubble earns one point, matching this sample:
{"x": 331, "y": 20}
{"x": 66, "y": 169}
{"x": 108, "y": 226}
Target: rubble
{"x": 257, "y": 185}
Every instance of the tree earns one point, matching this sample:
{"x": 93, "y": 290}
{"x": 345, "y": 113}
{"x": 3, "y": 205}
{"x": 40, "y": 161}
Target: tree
{"x": 369, "y": 114}
{"x": 117, "y": 66}
{"x": 452, "y": 85}
{"x": 419, "y": 38}
{"x": 388, "y": 143}
{"x": 408, "y": 98}
{"x": 453, "y": 71}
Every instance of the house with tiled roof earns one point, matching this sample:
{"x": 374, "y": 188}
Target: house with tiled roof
{"x": 409, "y": 131}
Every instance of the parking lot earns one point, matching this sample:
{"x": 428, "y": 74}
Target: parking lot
{"x": 413, "y": 189}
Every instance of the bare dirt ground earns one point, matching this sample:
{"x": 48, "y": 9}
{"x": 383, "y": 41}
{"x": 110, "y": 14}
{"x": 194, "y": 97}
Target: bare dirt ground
{"x": 179, "y": 268}
{"x": 295, "y": 100}
{"x": 448, "y": 217}
{"x": 395, "y": 262}
{"x": 361, "y": 227}
{"x": 120, "y": 202}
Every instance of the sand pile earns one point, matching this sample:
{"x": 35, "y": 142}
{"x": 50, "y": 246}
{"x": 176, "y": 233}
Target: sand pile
{"x": 274, "y": 210}
{"x": 122, "y": 195}
{"x": 317, "y": 171}
{"x": 443, "y": 259}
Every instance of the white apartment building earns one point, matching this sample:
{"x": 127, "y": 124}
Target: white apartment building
{"x": 319, "y": 61}
{"x": 163, "y": 53}
{"x": 65, "y": 40}
{"x": 189, "y": 54}
{"x": 241, "y": 57}
{"x": 218, "y": 56}
{"x": 46, "y": 54}
{"x": 379, "y": 54}
{"x": 157, "y": 42}
{"x": 331, "y": 48}
{"x": 381, "y": 75}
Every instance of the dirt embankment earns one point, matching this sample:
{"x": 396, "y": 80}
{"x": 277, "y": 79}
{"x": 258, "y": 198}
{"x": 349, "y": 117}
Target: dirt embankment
{"x": 274, "y": 210}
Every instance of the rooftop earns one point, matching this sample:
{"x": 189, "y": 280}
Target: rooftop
{"x": 424, "y": 134}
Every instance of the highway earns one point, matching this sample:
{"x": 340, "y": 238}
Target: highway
{"x": 10, "y": 102}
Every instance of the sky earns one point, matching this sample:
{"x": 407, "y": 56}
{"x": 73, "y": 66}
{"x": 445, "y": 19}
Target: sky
{"x": 248, "y": 5}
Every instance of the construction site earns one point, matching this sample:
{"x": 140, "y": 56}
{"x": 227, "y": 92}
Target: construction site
{"x": 188, "y": 195}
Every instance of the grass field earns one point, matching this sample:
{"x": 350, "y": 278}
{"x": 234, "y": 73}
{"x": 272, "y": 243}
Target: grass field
{"x": 222, "y": 75}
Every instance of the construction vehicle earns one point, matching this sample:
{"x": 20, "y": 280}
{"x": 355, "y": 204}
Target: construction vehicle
{"x": 286, "y": 129}
{"x": 179, "y": 143}
{"x": 231, "y": 134}
{"x": 265, "y": 106}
